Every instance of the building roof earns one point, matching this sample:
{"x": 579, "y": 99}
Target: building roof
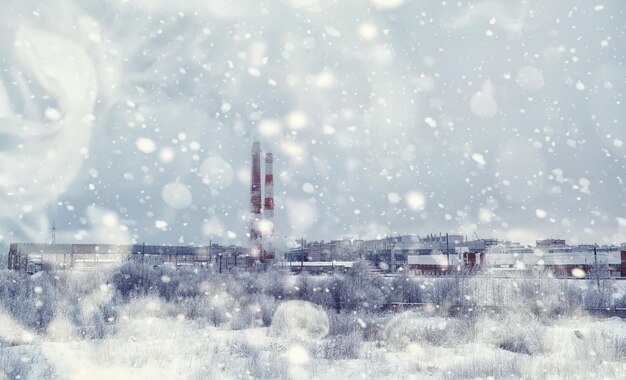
{"x": 554, "y": 258}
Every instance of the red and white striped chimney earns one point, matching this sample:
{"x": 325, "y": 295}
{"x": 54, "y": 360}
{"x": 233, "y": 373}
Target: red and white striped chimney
{"x": 255, "y": 202}
{"x": 268, "y": 205}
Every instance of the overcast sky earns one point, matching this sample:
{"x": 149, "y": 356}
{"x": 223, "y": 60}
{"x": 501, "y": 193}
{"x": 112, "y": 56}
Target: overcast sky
{"x": 133, "y": 120}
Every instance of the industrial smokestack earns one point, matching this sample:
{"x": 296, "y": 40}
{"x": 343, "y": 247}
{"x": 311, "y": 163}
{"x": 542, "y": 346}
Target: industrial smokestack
{"x": 268, "y": 206}
{"x": 255, "y": 202}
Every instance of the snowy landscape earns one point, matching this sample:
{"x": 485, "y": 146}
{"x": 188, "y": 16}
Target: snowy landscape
{"x": 312, "y": 189}
{"x": 140, "y": 322}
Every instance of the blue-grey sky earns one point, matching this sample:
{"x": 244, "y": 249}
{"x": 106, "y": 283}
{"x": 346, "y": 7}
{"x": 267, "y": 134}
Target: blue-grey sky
{"x": 133, "y": 120}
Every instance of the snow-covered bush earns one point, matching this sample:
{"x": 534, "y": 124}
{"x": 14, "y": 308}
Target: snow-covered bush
{"x": 245, "y": 317}
{"x": 519, "y": 332}
{"x": 196, "y": 307}
{"x": 542, "y": 296}
{"x": 188, "y": 282}
{"x": 215, "y": 309}
{"x": 31, "y": 300}
{"x": 599, "y": 342}
{"x": 612, "y": 346}
{"x": 266, "y": 365}
{"x": 483, "y": 365}
{"x": 217, "y": 314}
{"x": 343, "y": 323}
{"x": 305, "y": 285}
{"x": 273, "y": 283}
{"x": 255, "y": 311}
{"x": 405, "y": 289}
{"x": 440, "y": 291}
{"x": 317, "y": 290}
{"x": 600, "y": 295}
{"x": 358, "y": 289}
{"x": 299, "y": 320}
{"x": 412, "y": 327}
{"x": 133, "y": 278}
{"x": 343, "y": 346}
{"x": 265, "y": 306}
{"x": 369, "y": 324}
{"x": 13, "y": 367}
{"x": 150, "y": 306}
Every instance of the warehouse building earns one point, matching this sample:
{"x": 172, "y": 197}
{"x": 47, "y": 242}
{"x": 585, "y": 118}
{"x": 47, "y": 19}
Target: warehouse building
{"x": 35, "y": 257}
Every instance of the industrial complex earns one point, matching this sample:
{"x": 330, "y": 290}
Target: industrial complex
{"x": 437, "y": 255}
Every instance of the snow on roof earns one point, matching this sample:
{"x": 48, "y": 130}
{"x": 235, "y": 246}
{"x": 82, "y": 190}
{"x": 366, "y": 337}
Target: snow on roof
{"x": 347, "y": 264}
{"x": 438, "y": 259}
{"x": 554, "y": 258}
{"x": 528, "y": 258}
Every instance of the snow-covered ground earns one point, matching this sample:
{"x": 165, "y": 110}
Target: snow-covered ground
{"x": 168, "y": 348}
{"x": 146, "y": 323}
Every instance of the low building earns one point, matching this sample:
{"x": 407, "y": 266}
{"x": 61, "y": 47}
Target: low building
{"x": 318, "y": 267}
{"x": 337, "y": 250}
{"x": 34, "y": 257}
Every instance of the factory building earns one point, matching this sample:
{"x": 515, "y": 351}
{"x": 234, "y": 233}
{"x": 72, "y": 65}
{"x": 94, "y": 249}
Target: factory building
{"x": 338, "y": 250}
{"x": 551, "y": 255}
{"x": 444, "y": 254}
{"x": 317, "y": 266}
{"x": 390, "y": 253}
{"x": 35, "y": 257}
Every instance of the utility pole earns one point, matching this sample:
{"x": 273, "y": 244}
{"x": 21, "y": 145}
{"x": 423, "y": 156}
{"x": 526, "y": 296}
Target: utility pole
{"x": 301, "y": 254}
{"x": 53, "y": 238}
{"x": 447, "y": 250}
{"x": 392, "y": 252}
{"x": 597, "y": 269}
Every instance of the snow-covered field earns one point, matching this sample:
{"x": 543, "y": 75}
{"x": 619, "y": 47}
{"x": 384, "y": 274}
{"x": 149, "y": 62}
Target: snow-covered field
{"x": 147, "y": 323}
{"x": 418, "y": 346}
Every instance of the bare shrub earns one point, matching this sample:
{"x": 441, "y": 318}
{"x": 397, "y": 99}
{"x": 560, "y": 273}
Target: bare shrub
{"x": 405, "y": 289}
{"x": 266, "y": 365}
{"x": 600, "y": 295}
{"x": 299, "y": 320}
{"x": 498, "y": 366}
{"x": 601, "y": 344}
{"x": 320, "y": 291}
{"x": 245, "y": 317}
{"x": 374, "y": 326}
{"x": 440, "y": 291}
{"x": 542, "y": 295}
{"x": 255, "y": 311}
{"x": 611, "y": 346}
{"x": 273, "y": 283}
{"x": 369, "y": 324}
{"x": 343, "y": 346}
{"x": 240, "y": 347}
{"x": 195, "y": 307}
{"x": 12, "y": 367}
{"x": 133, "y": 278}
{"x": 342, "y": 323}
{"x": 406, "y": 328}
{"x": 520, "y": 333}
{"x": 265, "y": 306}
{"x": 412, "y": 327}
{"x": 217, "y": 314}
{"x": 521, "y": 343}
